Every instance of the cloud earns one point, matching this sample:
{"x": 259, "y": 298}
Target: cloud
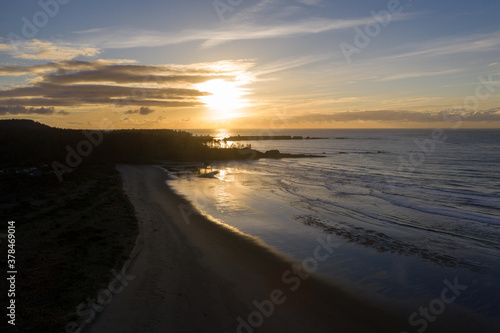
{"x": 310, "y": 2}
{"x": 399, "y": 116}
{"x": 303, "y": 27}
{"x": 115, "y": 82}
{"x": 17, "y": 109}
{"x": 142, "y": 111}
{"x": 117, "y": 102}
{"x": 123, "y": 76}
{"x": 288, "y": 63}
{"x": 454, "y": 45}
{"x": 71, "y": 65}
{"x": 419, "y": 74}
{"x": 5, "y": 47}
{"x": 258, "y": 10}
{"x": 269, "y": 10}
{"x": 90, "y": 91}
{"x": 36, "y": 49}
{"x": 129, "y": 38}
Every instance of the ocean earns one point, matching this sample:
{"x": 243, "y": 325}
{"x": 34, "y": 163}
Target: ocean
{"x": 408, "y": 209}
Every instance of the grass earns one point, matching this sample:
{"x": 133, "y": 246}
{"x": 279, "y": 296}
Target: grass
{"x": 69, "y": 236}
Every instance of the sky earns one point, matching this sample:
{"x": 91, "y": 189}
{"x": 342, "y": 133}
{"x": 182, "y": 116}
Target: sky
{"x": 195, "y": 64}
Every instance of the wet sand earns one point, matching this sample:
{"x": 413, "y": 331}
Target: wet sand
{"x": 192, "y": 274}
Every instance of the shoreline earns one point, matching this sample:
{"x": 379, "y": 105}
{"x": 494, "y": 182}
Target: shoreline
{"x": 203, "y": 276}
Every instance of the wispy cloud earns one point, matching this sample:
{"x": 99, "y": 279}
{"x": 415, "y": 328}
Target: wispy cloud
{"x": 5, "y": 47}
{"x": 310, "y": 2}
{"x": 264, "y": 10}
{"x": 129, "y": 38}
{"x": 309, "y": 26}
{"x": 257, "y": 10}
{"x": 72, "y": 65}
{"x": 271, "y": 10}
{"x": 420, "y": 74}
{"x": 396, "y": 116}
{"x": 36, "y": 49}
{"x": 288, "y": 63}
{"x": 454, "y": 45}
{"x": 17, "y": 109}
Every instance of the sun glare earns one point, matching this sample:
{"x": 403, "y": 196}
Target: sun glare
{"x": 225, "y": 99}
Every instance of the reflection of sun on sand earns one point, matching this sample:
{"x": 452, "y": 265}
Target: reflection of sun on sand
{"x": 197, "y": 275}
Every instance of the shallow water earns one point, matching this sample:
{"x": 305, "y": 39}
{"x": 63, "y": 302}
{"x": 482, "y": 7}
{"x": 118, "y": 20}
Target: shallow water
{"x": 408, "y": 208}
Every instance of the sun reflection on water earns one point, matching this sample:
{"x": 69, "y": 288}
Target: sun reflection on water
{"x": 225, "y": 175}
{"x": 221, "y": 134}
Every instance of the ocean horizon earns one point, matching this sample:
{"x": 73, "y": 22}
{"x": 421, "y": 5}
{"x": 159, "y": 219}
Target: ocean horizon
{"x": 408, "y": 209}
{"x": 250, "y": 166}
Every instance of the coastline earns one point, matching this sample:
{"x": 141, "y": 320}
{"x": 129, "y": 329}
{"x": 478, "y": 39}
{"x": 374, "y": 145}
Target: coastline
{"x": 203, "y": 276}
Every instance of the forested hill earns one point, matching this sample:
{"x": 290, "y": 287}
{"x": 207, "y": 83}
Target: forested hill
{"x": 26, "y": 142}
{"x": 29, "y": 143}
{"x": 21, "y": 124}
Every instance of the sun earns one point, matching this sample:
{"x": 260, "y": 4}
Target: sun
{"x": 225, "y": 99}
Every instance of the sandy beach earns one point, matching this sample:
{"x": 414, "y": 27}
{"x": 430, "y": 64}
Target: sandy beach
{"x": 241, "y": 166}
{"x": 202, "y": 276}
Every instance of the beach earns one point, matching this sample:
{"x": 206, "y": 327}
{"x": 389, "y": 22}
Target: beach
{"x": 250, "y": 166}
{"x": 198, "y": 275}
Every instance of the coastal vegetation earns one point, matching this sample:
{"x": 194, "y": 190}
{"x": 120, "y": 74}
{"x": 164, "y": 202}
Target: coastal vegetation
{"x": 70, "y": 236}
{"x": 26, "y": 143}
{"x": 73, "y": 232}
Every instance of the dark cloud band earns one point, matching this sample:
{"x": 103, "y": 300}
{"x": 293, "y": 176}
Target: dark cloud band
{"x": 109, "y": 82}
{"x": 18, "y": 109}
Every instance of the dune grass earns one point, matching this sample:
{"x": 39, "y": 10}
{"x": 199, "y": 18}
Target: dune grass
{"x": 70, "y": 236}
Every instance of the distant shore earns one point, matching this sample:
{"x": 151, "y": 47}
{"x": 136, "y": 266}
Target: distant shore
{"x": 61, "y": 149}
{"x": 268, "y": 137}
{"x": 197, "y": 275}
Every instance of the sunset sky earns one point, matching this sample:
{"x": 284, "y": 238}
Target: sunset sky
{"x": 251, "y": 64}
